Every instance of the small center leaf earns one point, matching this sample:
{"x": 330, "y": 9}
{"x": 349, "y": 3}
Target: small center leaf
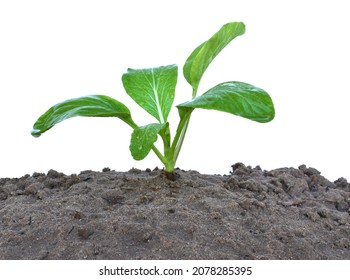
{"x": 143, "y": 138}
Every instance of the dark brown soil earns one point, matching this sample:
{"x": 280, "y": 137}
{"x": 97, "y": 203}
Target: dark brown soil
{"x": 285, "y": 213}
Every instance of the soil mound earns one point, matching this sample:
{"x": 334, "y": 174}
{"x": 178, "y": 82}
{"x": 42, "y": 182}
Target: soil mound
{"x": 251, "y": 213}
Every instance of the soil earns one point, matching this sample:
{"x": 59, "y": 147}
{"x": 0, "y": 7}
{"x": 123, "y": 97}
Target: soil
{"x": 286, "y": 213}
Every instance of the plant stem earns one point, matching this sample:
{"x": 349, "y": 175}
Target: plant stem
{"x": 181, "y": 138}
{"x": 172, "y": 152}
{"x": 181, "y": 132}
{"x": 160, "y": 156}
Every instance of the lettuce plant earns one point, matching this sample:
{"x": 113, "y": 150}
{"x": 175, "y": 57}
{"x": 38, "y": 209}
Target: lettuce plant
{"x": 154, "y": 89}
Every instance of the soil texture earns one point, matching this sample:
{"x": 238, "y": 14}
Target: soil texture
{"x": 250, "y": 213}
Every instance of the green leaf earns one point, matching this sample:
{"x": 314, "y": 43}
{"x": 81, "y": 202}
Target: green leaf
{"x": 202, "y": 56}
{"x": 143, "y": 138}
{"x": 86, "y": 106}
{"x": 237, "y": 98}
{"x": 153, "y": 89}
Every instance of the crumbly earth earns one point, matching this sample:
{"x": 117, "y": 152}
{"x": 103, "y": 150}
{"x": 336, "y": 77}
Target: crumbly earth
{"x": 285, "y": 213}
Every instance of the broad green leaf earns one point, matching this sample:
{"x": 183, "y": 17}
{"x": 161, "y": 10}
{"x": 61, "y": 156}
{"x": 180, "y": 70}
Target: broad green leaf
{"x": 153, "y": 89}
{"x": 86, "y": 106}
{"x": 143, "y": 138}
{"x": 202, "y": 56}
{"x": 237, "y": 98}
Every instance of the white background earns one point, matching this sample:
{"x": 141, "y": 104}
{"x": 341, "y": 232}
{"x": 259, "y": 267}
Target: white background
{"x": 298, "y": 51}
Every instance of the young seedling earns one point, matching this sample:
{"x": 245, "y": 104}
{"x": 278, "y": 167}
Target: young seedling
{"x": 154, "y": 90}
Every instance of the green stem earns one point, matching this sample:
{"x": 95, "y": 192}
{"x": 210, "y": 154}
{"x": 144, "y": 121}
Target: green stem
{"x": 159, "y": 155}
{"x": 178, "y": 146}
{"x": 172, "y": 152}
{"x": 181, "y": 132}
{"x": 168, "y": 162}
{"x": 194, "y": 92}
